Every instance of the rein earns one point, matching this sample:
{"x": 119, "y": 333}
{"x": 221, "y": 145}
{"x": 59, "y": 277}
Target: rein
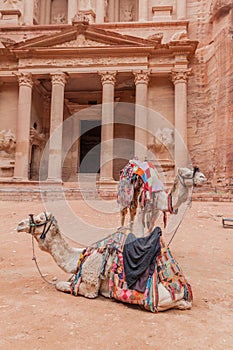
{"x": 32, "y": 226}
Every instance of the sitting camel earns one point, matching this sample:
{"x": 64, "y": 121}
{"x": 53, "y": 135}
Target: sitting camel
{"x": 152, "y": 198}
{"x": 45, "y": 230}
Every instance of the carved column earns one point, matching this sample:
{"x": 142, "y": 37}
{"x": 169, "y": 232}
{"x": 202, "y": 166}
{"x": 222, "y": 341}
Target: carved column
{"x": 56, "y": 120}
{"x": 180, "y": 79}
{"x": 107, "y": 131}
{"x": 181, "y": 9}
{"x": 141, "y": 82}
{"x": 100, "y": 10}
{"x": 143, "y": 11}
{"x": 72, "y": 10}
{"x": 23, "y": 127}
{"x": 28, "y": 12}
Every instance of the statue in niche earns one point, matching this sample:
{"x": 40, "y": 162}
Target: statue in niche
{"x": 37, "y": 138}
{"x": 127, "y": 12}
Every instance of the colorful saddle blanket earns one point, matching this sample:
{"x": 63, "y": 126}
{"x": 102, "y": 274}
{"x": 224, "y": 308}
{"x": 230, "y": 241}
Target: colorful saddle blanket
{"x": 167, "y": 272}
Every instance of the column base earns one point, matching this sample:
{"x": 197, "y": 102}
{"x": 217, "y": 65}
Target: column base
{"x": 54, "y": 180}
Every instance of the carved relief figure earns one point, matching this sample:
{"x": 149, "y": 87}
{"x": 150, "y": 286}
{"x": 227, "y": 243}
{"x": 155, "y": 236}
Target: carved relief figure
{"x": 7, "y": 141}
{"x": 59, "y": 18}
{"x": 127, "y": 11}
{"x": 163, "y": 141}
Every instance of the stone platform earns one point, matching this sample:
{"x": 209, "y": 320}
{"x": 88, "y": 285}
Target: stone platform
{"x": 51, "y": 191}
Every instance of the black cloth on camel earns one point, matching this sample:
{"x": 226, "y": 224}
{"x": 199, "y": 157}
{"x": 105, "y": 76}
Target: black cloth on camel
{"x": 139, "y": 254}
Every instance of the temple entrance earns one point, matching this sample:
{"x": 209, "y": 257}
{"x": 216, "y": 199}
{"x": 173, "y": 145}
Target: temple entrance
{"x": 90, "y": 140}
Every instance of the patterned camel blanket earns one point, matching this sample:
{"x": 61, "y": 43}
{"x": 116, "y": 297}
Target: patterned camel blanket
{"x": 152, "y": 182}
{"x": 166, "y": 271}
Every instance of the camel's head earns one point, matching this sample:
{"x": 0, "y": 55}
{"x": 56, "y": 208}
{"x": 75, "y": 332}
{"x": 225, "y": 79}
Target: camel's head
{"x": 38, "y": 225}
{"x": 191, "y": 177}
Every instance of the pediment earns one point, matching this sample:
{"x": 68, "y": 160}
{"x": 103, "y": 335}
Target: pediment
{"x": 81, "y": 41}
{"x": 82, "y": 35}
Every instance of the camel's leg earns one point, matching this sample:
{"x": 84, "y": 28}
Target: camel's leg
{"x": 140, "y": 223}
{"x": 63, "y": 286}
{"x": 154, "y": 217}
{"x": 133, "y": 212}
{"x": 123, "y": 214}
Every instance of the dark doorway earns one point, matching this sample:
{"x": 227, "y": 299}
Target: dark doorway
{"x": 90, "y": 140}
{"x": 35, "y": 163}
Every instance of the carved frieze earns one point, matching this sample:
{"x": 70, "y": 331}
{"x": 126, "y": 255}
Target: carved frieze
{"x": 81, "y": 62}
{"x": 81, "y": 41}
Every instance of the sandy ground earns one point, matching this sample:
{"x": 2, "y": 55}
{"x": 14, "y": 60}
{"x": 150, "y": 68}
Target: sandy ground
{"x": 34, "y": 315}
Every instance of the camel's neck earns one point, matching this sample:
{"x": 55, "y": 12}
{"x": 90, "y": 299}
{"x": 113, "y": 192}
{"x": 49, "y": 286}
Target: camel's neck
{"x": 179, "y": 195}
{"x": 65, "y": 256}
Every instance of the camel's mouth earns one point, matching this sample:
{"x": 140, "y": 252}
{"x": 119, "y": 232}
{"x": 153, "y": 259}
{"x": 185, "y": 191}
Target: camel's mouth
{"x": 21, "y": 227}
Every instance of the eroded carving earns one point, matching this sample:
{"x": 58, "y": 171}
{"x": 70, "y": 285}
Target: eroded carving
{"x": 7, "y": 141}
{"x": 163, "y": 141}
{"x": 127, "y": 11}
{"x": 220, "y": 8}
{"x": 59, "y": 18}
{"x": 37, "y": 138}
{"x": 181, "y": 35}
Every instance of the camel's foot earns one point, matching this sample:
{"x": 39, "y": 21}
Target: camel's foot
{"x": 63, "y": 286}
{"x": 180, "y": 304}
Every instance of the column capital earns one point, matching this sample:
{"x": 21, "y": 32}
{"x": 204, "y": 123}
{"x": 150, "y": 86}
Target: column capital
{"x": 108, "y": 77}
{"x": 142, "y": 77}
{"x": 180, "y": 76}
{"x": 59, "y": 78}
{"x": 25, "y": 79}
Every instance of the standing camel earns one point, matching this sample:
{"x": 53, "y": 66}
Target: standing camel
{"x": 45, "y": 230}
{"x": 140, "y": 184}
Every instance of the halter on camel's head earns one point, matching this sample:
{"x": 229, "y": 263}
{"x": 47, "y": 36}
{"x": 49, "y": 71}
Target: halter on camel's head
{"x": 42, "y": 221}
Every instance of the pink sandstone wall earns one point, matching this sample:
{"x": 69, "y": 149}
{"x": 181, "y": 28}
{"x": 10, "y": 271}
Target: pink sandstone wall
{"x": 210, "y": 119}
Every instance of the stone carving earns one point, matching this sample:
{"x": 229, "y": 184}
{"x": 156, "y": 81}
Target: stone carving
{"x": 25, "y": 79}
{"x": 156, "y": 37}
{"x": 12, "y": 3}
{"x": 220, "y": 8}
{"x": 7, "y": 141}
{"x": 181, "y": 75}
{"x": 163, "y": 140}
{"x": 59, "y": 18}
{"x": 127, "y": 11}
{"x": 37, "y": 138}
{"x": 59, "y": 78}
{"x": 141, "y": 77}
{"x": 81, "y": 41}
{"x": 181, "y": 35}
{"x": 7, "y": 41}
{"x": 108, "y": 77}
